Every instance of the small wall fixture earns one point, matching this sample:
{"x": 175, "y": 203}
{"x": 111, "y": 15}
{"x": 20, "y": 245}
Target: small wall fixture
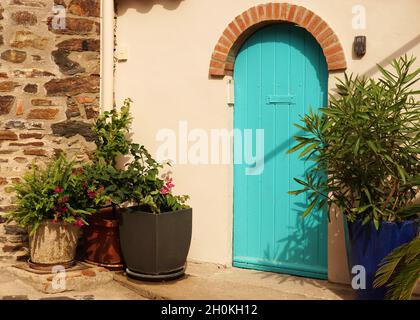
{"x": 359, "y": 46}
{"x": 230, "y": 91}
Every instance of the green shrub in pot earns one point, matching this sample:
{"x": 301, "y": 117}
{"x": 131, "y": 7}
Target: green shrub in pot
{"x": 53, "y": 203}
{"x": 156, "y": 232}
{"x": 105, "y": 174}
{"x": 364, "y": 148}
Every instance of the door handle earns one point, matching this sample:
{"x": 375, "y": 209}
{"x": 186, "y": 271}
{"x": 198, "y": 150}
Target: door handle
{"x": 281, "y": 99}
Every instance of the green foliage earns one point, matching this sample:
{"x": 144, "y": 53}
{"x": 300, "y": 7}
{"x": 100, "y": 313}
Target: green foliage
{"x": 54, "y": 192}
{"x": 400, "y": 271}
{"x": 104, "y": 177}
{"x": 367, "y": 143}
{"x": 111, "y": 131}
{"x": 149, "y": 191}
{"x": 61, "y": 192}
{"x": 139, "y": 180}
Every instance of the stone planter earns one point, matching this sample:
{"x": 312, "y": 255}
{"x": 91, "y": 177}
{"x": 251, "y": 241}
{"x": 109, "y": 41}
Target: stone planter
{"x": 54, "y": 243}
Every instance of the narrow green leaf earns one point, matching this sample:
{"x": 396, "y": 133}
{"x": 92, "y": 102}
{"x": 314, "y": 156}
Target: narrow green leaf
{"x": 357, "y": 146}
{"x": 376, "y": 223}
{"x": 372, "y": 145}
{"x": 297, "y": 192}
{"x": 308, "y": 149}
{"x": 402, "y": 173}
{"x": 309, "y": 208}
{"x": 297, "y": 147}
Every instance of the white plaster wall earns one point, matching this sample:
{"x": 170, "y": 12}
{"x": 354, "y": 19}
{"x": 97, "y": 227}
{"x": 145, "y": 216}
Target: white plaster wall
{"x": 169, "y": 46}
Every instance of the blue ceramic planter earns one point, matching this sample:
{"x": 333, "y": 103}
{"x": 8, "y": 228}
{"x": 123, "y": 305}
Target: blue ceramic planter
{"x": 369, "y": 246}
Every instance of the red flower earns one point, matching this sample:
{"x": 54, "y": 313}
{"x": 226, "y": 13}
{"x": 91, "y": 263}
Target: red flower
{"x": 79, "y": 223}
{"x": 91, "y": 194}
{"x": 64, "y": 199}
{"x": 58, "y": 190}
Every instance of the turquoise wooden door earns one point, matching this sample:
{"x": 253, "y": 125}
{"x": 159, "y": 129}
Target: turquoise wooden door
{"x": 280, "y": 72}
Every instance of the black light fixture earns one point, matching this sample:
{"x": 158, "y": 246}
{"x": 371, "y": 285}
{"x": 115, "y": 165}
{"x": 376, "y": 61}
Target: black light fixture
{"x": 359, "y": 46}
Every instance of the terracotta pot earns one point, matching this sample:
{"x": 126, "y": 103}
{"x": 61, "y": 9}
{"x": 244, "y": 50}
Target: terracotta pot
{"x": 54, "y": 243}
{"x": 102, "y": 240}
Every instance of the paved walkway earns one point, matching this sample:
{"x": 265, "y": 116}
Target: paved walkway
{"x": 203, "y": 281}
{"x": 207, "y": 281}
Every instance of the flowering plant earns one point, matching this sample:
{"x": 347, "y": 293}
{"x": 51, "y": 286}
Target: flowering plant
{"x": 109, "y": 182}
{"x": 56, "y": 192}
{"x": 149, "y": 191}
{"x": 103, "y": 175}
{"x": 138, "y": 181}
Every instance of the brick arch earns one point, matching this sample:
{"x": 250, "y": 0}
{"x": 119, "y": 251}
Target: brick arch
{"x": 236, "y": 33}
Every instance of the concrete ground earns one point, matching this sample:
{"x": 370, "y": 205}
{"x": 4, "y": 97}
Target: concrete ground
{"x": 202, "y": 281}
{"x": 207, "y": 281}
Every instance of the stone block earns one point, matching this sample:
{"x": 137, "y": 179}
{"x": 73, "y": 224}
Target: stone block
{"x": 81, "y": 277}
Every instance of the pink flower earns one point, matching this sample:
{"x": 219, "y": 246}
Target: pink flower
{"x": 164, "y": 190}
{"x": 168, "y": 185}
{"x": 79, "y": 223}
{"x": 58, "y": 190}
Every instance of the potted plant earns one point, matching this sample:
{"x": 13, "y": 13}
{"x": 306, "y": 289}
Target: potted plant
{"x": 365, "y": 149}
{"x": 105, "y": 174}
{"x": 156, "y": 232}
{"x": 52, "y": 203}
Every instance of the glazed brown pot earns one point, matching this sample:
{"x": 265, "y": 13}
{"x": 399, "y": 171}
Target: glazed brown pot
{"x": 102, "y": 240}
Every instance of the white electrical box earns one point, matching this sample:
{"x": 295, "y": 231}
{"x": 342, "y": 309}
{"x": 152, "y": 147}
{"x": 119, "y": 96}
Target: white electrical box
{"x": 121, "y": 53}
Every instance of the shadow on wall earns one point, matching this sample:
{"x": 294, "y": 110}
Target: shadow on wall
{"x": 396, "y": 54}
{"x": 146, "y": 6}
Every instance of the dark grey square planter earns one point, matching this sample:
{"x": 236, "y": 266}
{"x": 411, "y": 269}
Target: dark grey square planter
{"x": 155, "y": 246}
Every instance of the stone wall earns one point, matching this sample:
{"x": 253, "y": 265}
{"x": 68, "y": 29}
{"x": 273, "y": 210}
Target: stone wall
{"x": 49, "y": 89}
